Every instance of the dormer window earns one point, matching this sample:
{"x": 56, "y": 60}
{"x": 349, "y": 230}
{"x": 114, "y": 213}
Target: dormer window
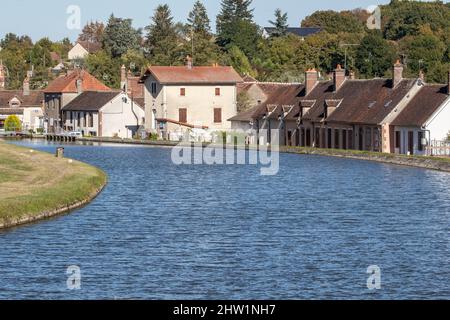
{"x": 14, "y": 103}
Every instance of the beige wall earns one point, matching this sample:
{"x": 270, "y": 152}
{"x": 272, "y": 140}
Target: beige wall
{"x": 200, "y": 102}
{"x": 77, "y": 52}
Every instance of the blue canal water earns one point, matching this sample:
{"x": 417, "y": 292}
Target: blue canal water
{"x": 160, "y": 231}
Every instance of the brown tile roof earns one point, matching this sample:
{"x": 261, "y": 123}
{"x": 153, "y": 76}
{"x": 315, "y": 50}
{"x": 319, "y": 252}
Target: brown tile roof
{"x": 11, "y": 111}
{"x": 67, "y": 84}
{"x": 196, "y": 75}
{"x": 34, "y": 99}
{"x": 279, "y": 95}
{"x": 135, "y": 87}
{"x": 426, "y": 102}
{"x": 91, "y": 47}
{"x": 363, "y": 101}
{"x": 90, "y": 101}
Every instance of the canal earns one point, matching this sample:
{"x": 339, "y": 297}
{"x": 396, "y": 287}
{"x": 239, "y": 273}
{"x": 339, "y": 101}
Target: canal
{"x": 161, "y": 231}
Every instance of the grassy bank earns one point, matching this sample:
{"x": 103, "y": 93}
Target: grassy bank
{"x": 36, "y": 185}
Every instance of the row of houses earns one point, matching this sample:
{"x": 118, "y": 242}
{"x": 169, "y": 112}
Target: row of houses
{"x": 395, "y": 115}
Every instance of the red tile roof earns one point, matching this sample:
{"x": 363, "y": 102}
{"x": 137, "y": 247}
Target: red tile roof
{"x": 67, "y": 84}
{"x": 419, "y": 110}
{"x": 195, "y": 75}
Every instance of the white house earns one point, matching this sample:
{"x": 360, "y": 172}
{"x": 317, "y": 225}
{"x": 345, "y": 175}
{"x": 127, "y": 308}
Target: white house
{"x": 179, "y": 98}
{"x": 424, "y": 121}
{"x": 104, "y": 114}
{"x": 82, "y": 49}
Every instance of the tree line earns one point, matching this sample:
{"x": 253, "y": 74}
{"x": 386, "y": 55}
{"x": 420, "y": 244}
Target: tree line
{"x": 416, "y": 32}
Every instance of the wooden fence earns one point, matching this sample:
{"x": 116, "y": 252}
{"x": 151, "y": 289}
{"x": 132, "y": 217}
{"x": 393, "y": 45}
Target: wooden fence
{"x": 439, "y": 148}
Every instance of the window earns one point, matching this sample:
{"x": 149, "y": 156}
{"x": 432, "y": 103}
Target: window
{"x": 182, "y": 115}
{"x": 153, "y": 88}
{"x": 336, "y": 139}
{"x": 91, "y": 120}
{"x": 397, "y": 139}
{"x": 182, "y": 92}
{"x": 217, "y": 91}
{"x": 420, "y": 137}
{"x": 218, "y": 115}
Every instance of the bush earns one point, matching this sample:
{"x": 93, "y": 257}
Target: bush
{"x": 12, "y": 123}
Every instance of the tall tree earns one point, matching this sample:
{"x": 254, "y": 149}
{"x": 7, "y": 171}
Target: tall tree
{"x": 162, "y": 37}
{"x": 280, "y": 24}
{"x": 235, "y": 26}
{"x": 120, "y": 36}
{"x": 92, "y": 32}
{"x": 198, "y": 20}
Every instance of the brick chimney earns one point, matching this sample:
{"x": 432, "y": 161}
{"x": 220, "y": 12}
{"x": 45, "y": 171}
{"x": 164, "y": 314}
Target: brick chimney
{"x": 397, "y": 74}
{"x": 339, "y": 77}
{"x": 26, "y": 86}
{"x": 189, "y": 62}
{"x": 2, "y": 76}
{"x": 448, "y": 83}
{"x": 422, "y": 75}
{"x": 311, "y": 77}
{"x": 352, "y": 75}
{"x": 123, "y": 78}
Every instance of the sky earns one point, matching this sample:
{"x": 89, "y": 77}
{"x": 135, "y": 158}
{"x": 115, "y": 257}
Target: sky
{"x": 48, "y": 18}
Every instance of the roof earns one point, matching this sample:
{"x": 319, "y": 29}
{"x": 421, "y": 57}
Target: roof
{"x": 91, "y": 47}
{"x": 90, "y": 101}
{"x": 34, "y": 99}
{"x": 278, "y": 95}
{"x": 363, "y": 101}
{"x": 301, "y": 32}
{"x": 11, "y": 111}
{"x": 195, "y": 75}
{"x": 55, "y": 56}
{"x": 67, "y": 83}
{"x": 424, "y": 104}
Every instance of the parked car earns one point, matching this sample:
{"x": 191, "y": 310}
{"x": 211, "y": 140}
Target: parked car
{"x": 76, "y": 134}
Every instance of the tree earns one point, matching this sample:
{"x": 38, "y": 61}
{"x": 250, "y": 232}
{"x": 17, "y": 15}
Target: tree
{"x": 12, "y": 123}
{"x": 162, "y": 37}
{"x": 235, "y": 27}
{"x": 375, "y": 55}
{"x": 120, "y": 36}
{"x": 92, "y": 32}
{"x": 335, "y": 22}
{"x": 448, "y": 136}
{"x": 198, "y": 20}
{"x": 105, "y": 68}
{"x": 239, "y": 61}
{"x": 280, "y": 24}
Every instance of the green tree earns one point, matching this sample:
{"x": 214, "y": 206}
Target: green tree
{"x": 335, "y": 22}
{"x": 15, "y": 54}
{"x": 120, "y": 36}
{"x": 162, "y": 38}
{"x": 13, "y": 124}
{"x": 135, "y": 61}
{"x": 235, "y": 27}
{"x": 198, "y": 20}
{"x": 375, "y": 55}
{"x": 280, "y": 24}
{"x": 105, "y": 68}
{"x": 239, "y": 61}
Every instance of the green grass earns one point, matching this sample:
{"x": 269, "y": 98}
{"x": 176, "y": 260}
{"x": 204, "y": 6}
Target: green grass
{"x": 35, "y": 182}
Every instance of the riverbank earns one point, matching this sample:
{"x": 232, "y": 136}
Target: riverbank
{"x": 36, "y": 185}
{"x": 431, "y": 163}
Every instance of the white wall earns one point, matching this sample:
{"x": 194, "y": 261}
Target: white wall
{"x": 439, "y": 123}
{"x": 77, "y": 52}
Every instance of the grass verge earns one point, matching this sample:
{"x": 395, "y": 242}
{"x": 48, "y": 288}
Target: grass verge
{"x": 36, "y": 184}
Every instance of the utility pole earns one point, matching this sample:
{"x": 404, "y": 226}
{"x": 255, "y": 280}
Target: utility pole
{"x": 346, "y": 46}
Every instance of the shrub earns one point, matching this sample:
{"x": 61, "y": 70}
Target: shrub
{"x": 12, "y": 123}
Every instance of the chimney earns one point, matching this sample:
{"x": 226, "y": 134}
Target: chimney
{"x": 339, "y": 77}
{"x": 123, "y": 79}
{"x": 189, "y": 62}
{"x": 311, "y": 80}
{"x": 2, "y": 76}
{"x": 352, "y": 75}
{"x": 422, "y": 75}
{"x": 79, "y": 85}
{"x": 448, "y": 83}
{"x": 26, "y": 86}
{"x": 397, "y": 74}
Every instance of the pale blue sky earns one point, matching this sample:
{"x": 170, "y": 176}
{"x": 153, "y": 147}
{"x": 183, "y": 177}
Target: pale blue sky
{"x": 48, "y": 18}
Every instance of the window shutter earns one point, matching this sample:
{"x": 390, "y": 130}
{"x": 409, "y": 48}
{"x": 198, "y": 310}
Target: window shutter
{"x": 182, "y": 115}
{"x": 217, "y": 115}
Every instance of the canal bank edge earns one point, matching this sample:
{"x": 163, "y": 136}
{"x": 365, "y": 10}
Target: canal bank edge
{"x": 431, "y": 163}
{"x": 96, "y": 182}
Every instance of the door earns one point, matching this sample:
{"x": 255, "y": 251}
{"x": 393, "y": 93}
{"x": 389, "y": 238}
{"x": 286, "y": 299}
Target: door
{"x": 411, "y": 142}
